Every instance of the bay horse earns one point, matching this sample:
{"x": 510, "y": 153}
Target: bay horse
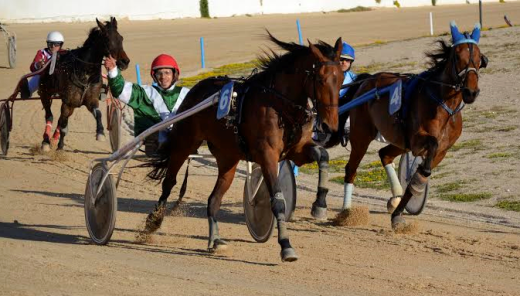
{"x": 278, "y": 106}
{"x": 77, "y": 79}
{"x": 429, "y": 123}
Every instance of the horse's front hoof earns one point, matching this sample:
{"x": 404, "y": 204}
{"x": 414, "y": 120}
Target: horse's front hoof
{"x": 46, "y": 147}
{"x": 392, "y": 204}
{"x": 101, "y": 137}
{"x": 319, "y": 213}
{"x": 289, "y": 255}
{"x": 218, "y": 246}
{"x": 398, "y": 222}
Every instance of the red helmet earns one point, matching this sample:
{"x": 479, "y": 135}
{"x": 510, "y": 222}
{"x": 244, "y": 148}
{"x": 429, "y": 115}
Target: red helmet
{"x": 164, "y": 61}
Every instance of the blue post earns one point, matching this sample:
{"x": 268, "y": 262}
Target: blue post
{"x": 202, "y": 59}
{"x": 299, "y": 31}
{"x": 138, "y": 74}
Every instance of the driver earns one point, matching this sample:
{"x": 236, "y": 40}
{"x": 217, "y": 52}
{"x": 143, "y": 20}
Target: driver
{"x": 55, "y": 42}
{"x": 151, "y": 103}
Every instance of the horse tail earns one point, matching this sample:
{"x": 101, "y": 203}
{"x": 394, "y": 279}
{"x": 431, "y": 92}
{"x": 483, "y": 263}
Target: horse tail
{"x": 159, "y": 162}
{"x": 336, "y": 137}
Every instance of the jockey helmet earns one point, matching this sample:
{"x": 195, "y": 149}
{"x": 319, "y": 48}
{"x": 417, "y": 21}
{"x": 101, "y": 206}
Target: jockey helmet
{"x": 348, "y": 52}
{"x": 164, "y": 61}
{"x": 55, "y": 36}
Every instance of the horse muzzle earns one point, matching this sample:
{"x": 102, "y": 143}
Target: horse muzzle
{"x": 469, "y": 95}
{"x": 123, "y": 63}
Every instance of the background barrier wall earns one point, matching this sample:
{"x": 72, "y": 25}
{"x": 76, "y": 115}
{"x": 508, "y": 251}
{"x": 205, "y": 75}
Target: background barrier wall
{"x": 30, "y": 11}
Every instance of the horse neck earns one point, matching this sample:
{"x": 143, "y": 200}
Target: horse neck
{"x": 92, "y": 51}
{"x": 293, "y": 88}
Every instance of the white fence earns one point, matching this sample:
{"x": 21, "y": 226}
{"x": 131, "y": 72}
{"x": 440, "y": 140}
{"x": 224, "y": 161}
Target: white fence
{"x": 27, "y": 11}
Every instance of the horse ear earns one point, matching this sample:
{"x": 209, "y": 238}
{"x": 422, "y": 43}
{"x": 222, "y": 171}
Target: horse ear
{"x": 100, "y": 25}
{"x": 456, "y": 35}
{"x": 338, "y": 47}
{"x": 316, "y": 51}
{"x": 114, "y": 22}
{"x": 475, "y": 35}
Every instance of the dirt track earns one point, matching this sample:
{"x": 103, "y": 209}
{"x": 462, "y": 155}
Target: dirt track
{"x": 458, "y": 249}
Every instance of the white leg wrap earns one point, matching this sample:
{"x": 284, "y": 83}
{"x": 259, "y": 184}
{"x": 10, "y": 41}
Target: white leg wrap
{"x": 397, "y": 190}
{"x": 347, "y": 197}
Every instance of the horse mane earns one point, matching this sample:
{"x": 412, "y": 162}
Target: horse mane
{"x": 439, "y": 57}
{"x": 94, "y": 34}
{"x": 271, "y": 62}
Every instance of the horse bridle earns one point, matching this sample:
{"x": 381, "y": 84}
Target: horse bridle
{"x": 461, "y": 76}
{"x": 315, "y": 77}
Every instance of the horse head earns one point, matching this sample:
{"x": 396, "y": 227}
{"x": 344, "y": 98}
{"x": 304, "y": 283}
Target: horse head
{"x": 466, "y": 61}
{"x": 327, "y": 79}
{"x": 113, "y": 42}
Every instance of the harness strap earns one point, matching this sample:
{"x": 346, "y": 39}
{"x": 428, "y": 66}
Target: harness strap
{"x": 441, "y": 103}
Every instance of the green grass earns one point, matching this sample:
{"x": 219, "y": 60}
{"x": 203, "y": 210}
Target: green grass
{"x": 500, "y": 155}
{"x": 440, "y": 175}
{"x": 509, "y": 205}
{"x": 444, "y": 188}
{"x": 355, "y": 9}
{"x": 373, "y": 177}
{"x": 335, "y": 166}
{"x": 475, "y": 144}
{"x": 465, "y": 197}
{"x": 506, "y": 129}
{"x": 230, "y": 70}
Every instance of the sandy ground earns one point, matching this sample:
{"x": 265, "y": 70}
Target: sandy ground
{"x": 457, "y": 249}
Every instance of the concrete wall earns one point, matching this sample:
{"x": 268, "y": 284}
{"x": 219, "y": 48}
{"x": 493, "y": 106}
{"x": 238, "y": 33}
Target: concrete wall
{"x": 26, "y": 11}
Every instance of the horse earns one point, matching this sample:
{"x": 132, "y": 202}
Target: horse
{"x": 429, "y": 122}
{"x": 77, "y": 79}
{"x": 278, "y": 107}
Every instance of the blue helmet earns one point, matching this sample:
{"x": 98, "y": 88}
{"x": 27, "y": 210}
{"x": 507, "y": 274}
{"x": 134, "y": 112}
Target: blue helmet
{"x": 348, "y": 52}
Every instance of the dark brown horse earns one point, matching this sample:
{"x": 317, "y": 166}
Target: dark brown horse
{"x": 77, "y": 79}
{"x": 278, "y": 107}
{"x": 429, "y": 125}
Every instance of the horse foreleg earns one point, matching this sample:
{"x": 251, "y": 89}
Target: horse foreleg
{"x": 319, "y": 207}
{"x": 269, "y": 171}
{"x": 100, "y": 134}
{"x": 46, "y": 143}
{"x": 416, "y": 186}
{"x": 226, "y": 173}
{"x": 359, "y": 148}
{"x": 62, "y": 128}
{"x": 387, "y": 156}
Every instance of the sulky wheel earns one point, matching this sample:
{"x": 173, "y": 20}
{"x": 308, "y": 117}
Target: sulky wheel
{"x": 11, "y": 51}
{"x": 407, "y": 167}
{"x": 100, "y": 212}
{"x": 5, "y": 120}
{"x": 260, "y": 220}
{"x": 115, "y": 127}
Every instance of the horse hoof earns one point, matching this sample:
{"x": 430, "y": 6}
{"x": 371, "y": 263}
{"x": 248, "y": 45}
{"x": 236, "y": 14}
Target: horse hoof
{"x": 101, "y": 138}
{"x": 319, "y": 213}
{"x": 392, "y": 204}
{"x": 46, "y": 147}
{"x": 219, "y": 246}
{"x": 288, "y": 255}
{"x": 398, "y": 221}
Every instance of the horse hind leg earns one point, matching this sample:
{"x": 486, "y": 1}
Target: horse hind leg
{"x": 178, "y": 154}
{"x": 387, "y": 156}
{"x": 226, "y": 173}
